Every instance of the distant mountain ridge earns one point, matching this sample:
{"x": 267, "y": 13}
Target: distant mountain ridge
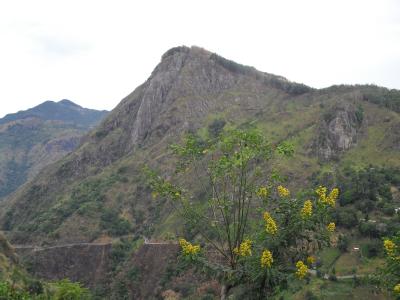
{"x": 34, "y": 138}
{"x": 64, "y": 110}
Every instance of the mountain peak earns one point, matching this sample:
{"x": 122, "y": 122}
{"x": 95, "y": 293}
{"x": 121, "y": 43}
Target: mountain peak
{"x": 64, "y": 110}
{"x": 69, "y": 103}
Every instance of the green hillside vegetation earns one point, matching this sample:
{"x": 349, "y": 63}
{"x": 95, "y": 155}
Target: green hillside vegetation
{"x": 32, "y": 139}
{"x": 347, "y": 136}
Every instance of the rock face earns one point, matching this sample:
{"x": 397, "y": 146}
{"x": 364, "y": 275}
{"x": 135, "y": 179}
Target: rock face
{"x": 337, "y": 130}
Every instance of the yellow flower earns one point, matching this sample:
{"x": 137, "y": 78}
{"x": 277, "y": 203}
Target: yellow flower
{"x": 327, "y": 199}
{"x": 154, "y": 195}
{"x": 270, "y": 225}
{"x": 396, "y": 288}
{"x": 283, "y": 192}
{"x": 331, "y": 227}
{"x": 266, "y": 259}
{"x": 389, "y": 247}
{"x": 310, "y": 260}
{"x": 244, "y": 248}
{"x": 321, "y": 192}
{"x": 262, "y": 192}
{"x": 301, "y": 269}
{"x": 306, "y": 211}
{"x": 188, "y": 248}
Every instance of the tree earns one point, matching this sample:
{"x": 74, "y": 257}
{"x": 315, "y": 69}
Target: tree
{"x": 253, "y": 230}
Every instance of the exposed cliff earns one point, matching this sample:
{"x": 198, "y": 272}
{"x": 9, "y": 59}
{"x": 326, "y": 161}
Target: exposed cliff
{"x": 337, "y": 130}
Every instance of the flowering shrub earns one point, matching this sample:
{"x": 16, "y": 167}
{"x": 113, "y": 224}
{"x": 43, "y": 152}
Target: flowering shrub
{"x": 237, "y": 189}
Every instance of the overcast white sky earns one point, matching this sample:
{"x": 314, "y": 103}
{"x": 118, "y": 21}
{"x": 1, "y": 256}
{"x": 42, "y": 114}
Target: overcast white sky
{"x": 96, "y": 52}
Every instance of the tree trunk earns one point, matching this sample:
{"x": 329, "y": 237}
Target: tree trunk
{"x": 224, "y": 291}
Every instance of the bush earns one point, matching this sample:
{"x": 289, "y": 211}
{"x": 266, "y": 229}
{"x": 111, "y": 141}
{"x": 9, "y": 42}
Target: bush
{"x": 369, "y": 229}
{"x": 215, "y": 128}
{"x": 114, "y": 224}
{"x": 67, "y": 290}
{"x": 388, "y": 210}
{"x": 343, "y": 243}
{"x": 7, "y": 292}
{"x": 365, "y": 206}
{"x": 346, "y": 217}
{"x": 372, "y": 248}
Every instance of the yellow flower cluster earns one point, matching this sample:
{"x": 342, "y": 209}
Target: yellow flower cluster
{"x": 321, "y": 192}
{"x": 270, "y": 225}
{"x": 244, "y": 248}
{"x": 396, "y": 288}
{"x": 188, "y": 248}
{"x": 389, "y": 247}
{"x": 310, "y": 260}
{"x": 262, "y": 192}
{"x": 266, "y": 259}
{"x": 331, "y": 227}
{"x": 327, "y": 199}
{"x": 301, "y": 269}
{"x": 283, "y": 192}
{"x": 334, "y": 194}
{"x": 306, "y": 211}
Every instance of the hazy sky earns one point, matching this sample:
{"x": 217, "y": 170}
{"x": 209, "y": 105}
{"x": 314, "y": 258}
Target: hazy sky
{"x": 96, "y": 52}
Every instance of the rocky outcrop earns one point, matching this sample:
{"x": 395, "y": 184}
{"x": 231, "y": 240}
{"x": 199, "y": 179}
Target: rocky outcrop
{"x": 337, "y": 130}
